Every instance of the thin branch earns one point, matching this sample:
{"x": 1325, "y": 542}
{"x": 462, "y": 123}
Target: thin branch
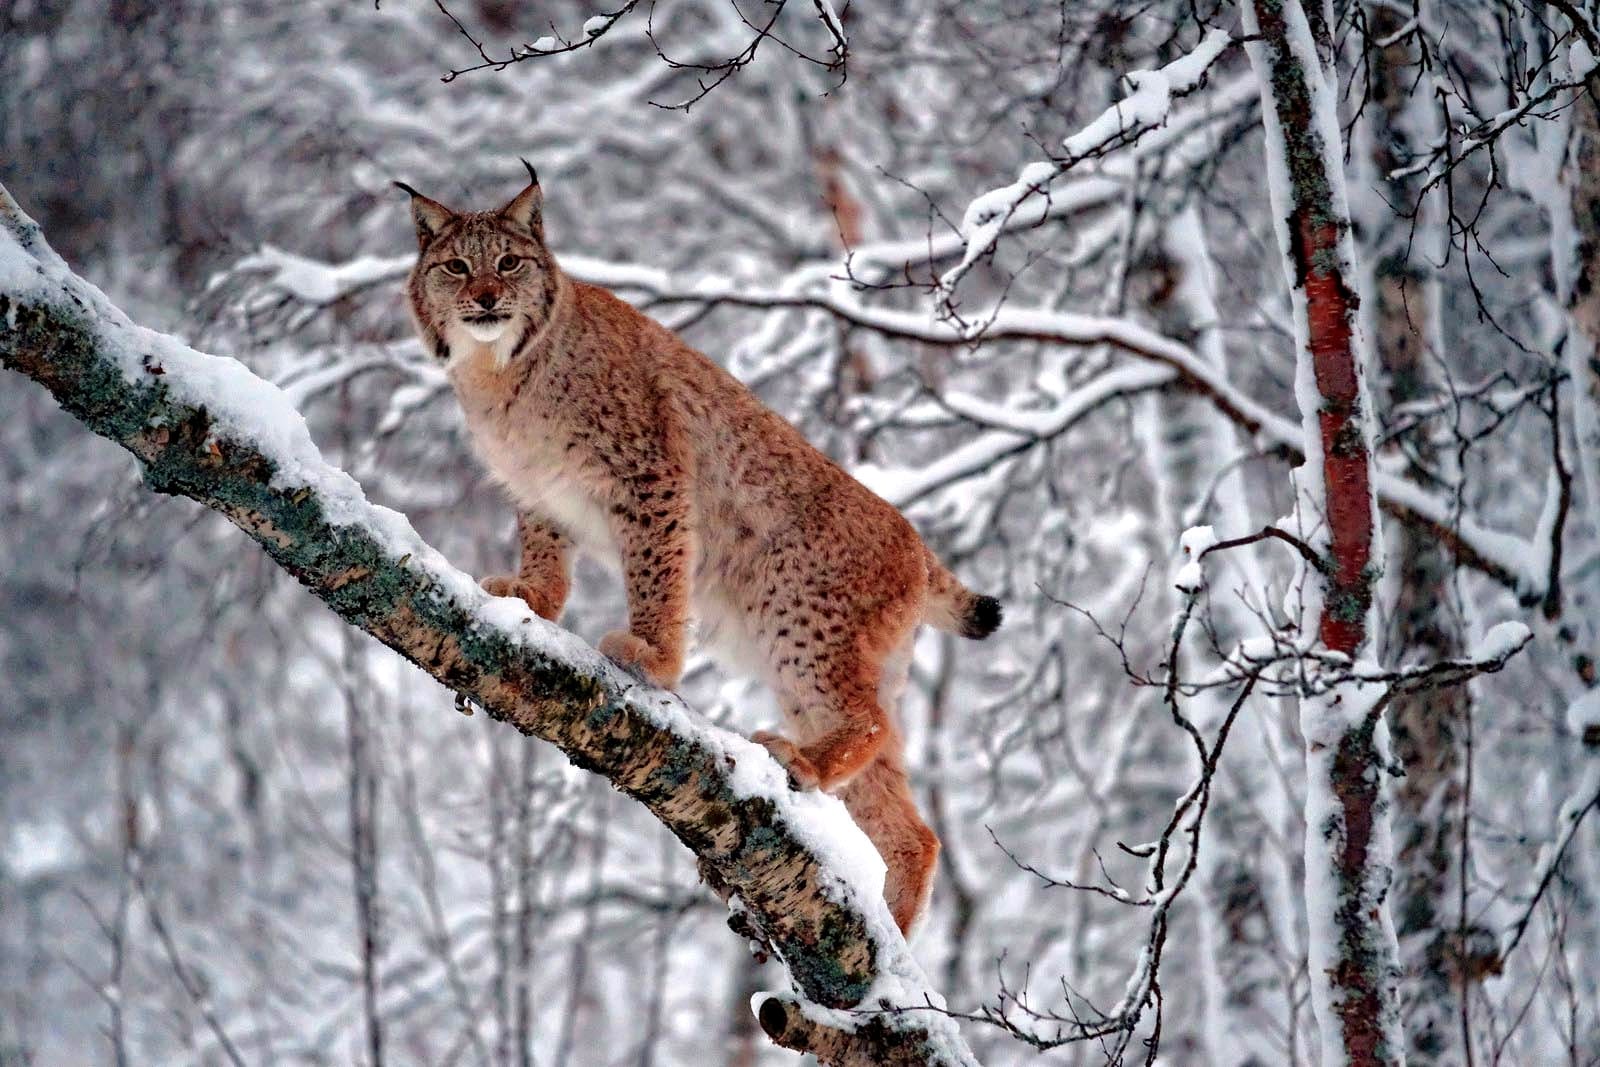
{"x": 709, "y": 73}
{"x": 1309, "y": 554}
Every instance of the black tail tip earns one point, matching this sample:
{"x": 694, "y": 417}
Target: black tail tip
{"x": 983, "y": 619}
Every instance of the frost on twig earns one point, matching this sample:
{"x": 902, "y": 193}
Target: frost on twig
{"x": 807, "y": 884}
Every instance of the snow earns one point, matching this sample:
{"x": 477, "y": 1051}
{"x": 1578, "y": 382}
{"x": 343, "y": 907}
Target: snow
{"x": 546, "y": 44}
{"x": 1189, "y": 578}
{"x": 1146, "y": 108}
{"x": 1518, "y": 556}
{"x": 318, "y": 282}
{"x": 902, "y": 486}
{"x": 852, "y": 868}
{"x": 819, "y": 820}
{"x": 1581, "y": 60}
{"x": 1583, "y": 714}
{"x": 1502, "y": 640}
{"x": 1036, "y": 174}
{"x": 240, "y": 404}
{"x": 826, "y": 12}
{"x": 314, "y": 281}
{"x": 39, "y": 850}
{"x": 19, "y": 272}
{"x": 1193, "y": 544}
{"x": 1259, "y": 649}
{"x": 1151, "y": 98}
{"x": 596, "y": 25}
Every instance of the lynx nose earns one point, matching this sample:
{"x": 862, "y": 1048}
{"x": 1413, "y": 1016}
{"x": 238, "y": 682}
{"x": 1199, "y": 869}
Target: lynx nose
{"x": 486, "y": 301}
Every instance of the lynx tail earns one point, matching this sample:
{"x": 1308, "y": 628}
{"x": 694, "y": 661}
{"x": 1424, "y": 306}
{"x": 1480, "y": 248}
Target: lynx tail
{"x": 955, "y": 609}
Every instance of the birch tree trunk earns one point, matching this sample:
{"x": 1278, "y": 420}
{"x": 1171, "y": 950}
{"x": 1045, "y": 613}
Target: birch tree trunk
{"x": 1583, "y": 299}
{"x": 1428, "y": 725}
{"x": 1353, "y": 955}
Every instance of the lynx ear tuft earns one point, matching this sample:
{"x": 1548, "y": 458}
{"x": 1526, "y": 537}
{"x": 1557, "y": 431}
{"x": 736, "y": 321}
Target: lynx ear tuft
{"x": 527, "y": 208}
{"x": 430, "y": 216}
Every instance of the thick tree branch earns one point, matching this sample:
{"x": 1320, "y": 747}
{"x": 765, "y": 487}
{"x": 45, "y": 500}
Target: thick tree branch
{"x": 205, "y": 428}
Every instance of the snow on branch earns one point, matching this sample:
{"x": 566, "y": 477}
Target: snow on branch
{"x": 1144, "y": 109}
{"x": 796, "y": 872}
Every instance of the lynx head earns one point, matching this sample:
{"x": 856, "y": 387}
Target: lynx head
{"x": 482, "y": 278}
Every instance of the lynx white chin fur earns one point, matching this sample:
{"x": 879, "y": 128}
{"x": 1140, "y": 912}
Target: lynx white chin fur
{"x": 487, "y": 332}
{"x": 616, "y": 438}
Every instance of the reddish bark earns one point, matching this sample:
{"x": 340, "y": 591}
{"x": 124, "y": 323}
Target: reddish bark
{"x": 1346, "y": 467}
{"x": 1360, "y": 957}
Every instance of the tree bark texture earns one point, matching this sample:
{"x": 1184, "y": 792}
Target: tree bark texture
{"x": 1353, "y": 954}
{"x": 1429, "y": 726}
{"x": 1583, "y": 349}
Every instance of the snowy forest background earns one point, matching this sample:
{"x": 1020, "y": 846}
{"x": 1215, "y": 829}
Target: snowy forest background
{"x": 234, "y": 830}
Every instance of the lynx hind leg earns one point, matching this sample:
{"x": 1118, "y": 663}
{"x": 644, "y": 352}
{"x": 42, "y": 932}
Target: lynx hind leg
{"x": 848, "y": 742}
{"x": 837, "y": 676}
{"x": 880, "y": 801}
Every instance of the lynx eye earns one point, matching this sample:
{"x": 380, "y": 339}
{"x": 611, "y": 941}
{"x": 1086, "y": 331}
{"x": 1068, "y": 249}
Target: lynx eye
{"x": 508, "y": 264}
{"x": 458, "y": 267}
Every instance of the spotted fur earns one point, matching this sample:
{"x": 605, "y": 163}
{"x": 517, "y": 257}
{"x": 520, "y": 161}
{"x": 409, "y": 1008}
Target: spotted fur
{"x": 614, "y": 438}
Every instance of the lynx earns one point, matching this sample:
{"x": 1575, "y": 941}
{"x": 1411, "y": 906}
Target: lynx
{"x": 616, "y": 439}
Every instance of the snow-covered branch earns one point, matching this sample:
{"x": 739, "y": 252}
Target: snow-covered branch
{"x": 1144, "y": 109}
{"x": 799, "y": 875}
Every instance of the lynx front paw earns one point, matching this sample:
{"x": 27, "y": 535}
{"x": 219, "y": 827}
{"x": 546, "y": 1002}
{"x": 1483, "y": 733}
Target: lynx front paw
{"x": 802, "y": 772}
{"x": 639, "y": 658}
{"x": 509, "y": 585}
